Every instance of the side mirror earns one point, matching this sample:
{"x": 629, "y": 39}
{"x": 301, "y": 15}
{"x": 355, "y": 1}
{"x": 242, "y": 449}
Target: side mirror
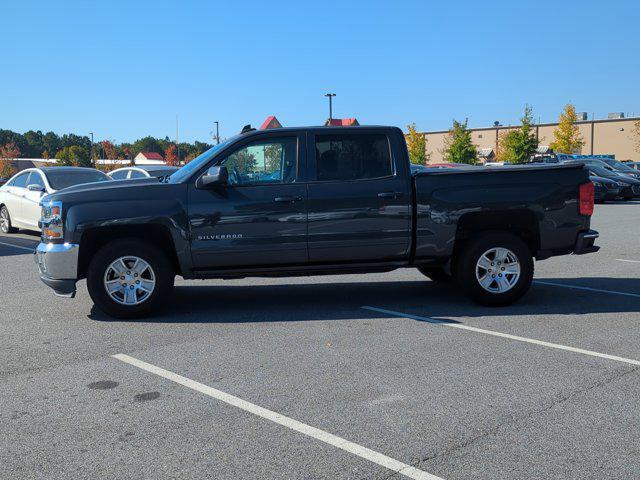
{"x": 34, "y": 187}
{"x": 215, "y": 176}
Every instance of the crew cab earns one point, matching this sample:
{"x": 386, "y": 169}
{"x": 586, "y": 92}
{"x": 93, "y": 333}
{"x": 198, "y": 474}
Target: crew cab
{"x": 311, "y": 201}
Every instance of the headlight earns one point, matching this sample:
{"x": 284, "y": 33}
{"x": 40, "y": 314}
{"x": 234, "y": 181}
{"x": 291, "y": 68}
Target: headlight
{"x": 51, "y": 221}
{"x": 597, "y": 184}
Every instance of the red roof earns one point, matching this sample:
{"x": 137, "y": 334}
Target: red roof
{"x": 270, "y": 122}
{"x": 152, "y": 155}
{"x": 342, "y": 122}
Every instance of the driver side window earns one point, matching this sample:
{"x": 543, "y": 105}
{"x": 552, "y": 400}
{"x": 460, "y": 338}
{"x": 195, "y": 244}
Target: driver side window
{"x": 272, "y": 160}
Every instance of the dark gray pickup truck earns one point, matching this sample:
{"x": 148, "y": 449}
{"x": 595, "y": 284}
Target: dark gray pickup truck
{"x": 309, "y": 201}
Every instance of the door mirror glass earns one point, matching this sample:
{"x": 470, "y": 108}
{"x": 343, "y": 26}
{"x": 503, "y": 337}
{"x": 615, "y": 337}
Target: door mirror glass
{"x": 215, "y": 176}
{"x": 34, "y": 187}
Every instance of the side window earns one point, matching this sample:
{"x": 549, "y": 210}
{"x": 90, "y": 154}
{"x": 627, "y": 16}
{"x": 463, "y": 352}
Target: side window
{"x": 137, "y": 174}
{"x": 35, "y": 179}
{"x": 272, "y": 160}
{"x": 20, "y": 180}
{"x": 120, "y": 175}
{"x": 352, "y": 157}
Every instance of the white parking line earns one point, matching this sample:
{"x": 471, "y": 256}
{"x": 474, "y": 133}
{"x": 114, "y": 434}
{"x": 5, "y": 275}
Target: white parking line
{"x": 326, "y": 437}
{"x": 506, "y": 335}
{"x": 18, "y": 246}
{"x": 625, "y": 260}
{"x": 589, "y": 289}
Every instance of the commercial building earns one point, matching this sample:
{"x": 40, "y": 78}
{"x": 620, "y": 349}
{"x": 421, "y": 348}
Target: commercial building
{"x": 606, "y": 136}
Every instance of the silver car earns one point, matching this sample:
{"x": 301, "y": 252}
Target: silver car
{"x": 20, "y": 196}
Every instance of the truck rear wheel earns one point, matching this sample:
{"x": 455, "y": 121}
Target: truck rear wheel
{"x": 129, "y": 278}
{"x": 495, "y": 268}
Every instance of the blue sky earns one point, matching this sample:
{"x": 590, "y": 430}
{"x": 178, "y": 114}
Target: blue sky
{"x": 125, "y": 69}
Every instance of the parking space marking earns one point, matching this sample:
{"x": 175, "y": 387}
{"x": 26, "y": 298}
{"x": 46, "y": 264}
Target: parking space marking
{"x": 326, "y": 437}
{"x": 506, "y": 335}
{"x": 589, "y": 289}
{"x": 31, "y": 250}
{"x": 630, "y": 261}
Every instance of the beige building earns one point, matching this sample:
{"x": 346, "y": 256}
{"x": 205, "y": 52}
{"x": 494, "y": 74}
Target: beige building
{"x": 611, "y": 136}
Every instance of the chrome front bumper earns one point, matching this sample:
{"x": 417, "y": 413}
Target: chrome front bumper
{"x": 58, "y": 265}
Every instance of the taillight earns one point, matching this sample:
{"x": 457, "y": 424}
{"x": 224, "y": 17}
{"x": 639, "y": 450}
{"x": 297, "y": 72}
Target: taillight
{"x": 586, "y": 199}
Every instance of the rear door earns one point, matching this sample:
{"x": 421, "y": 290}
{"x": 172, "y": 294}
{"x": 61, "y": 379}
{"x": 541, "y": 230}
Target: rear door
{"x": 359, "y": 197}
{"x": 17, "y": 189}
{"x": 260, "y": 217}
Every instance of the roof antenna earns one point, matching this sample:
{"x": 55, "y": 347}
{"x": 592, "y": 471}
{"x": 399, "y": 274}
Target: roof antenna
{"x": 246, "y": 129}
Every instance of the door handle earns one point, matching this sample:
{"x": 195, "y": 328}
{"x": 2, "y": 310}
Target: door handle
{"x": 389, "y": 194}
{"x": 287, "y": 199}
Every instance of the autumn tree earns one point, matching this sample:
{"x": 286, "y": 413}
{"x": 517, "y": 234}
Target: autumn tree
{"x": 458, "y": 147}
{"x": 109, "y": 149}
{"x": 517, "y": 146}
{"x": 8, "y": 153}
{"x": 74, "y": 156}
{"x": 636, "y": 135}
{"x": 170, "y": 155}
{"x": 567, "y": 135}
{"x": 417, "y": 145}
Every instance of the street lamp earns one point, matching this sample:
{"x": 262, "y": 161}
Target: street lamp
{"x": 217, "y": 133}
{"x": 330, "y": 95}
{"x": 91, "y": 152}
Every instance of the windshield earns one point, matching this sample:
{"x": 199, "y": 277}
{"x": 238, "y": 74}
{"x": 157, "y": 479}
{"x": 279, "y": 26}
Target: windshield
{"x": 68, "y": 178}
{"x": 601, "y": 171}
{"x": 619, "y": 166}
{"x": 198, "y": 162}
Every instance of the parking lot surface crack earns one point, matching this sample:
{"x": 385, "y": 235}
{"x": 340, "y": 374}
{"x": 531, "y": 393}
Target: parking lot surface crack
{"x": 558, "y": 400}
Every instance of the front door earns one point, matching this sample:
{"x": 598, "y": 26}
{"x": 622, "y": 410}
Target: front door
{"x": 30, "y": 210}
{"x": 259, "y": 219}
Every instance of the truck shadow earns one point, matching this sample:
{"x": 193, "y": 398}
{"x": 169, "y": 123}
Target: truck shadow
{"x": 342, "y": 301}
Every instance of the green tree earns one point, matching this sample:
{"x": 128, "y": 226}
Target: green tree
{"x": 417, "y": 145}
{"x": 517, "y": 146}
{"x": 458, "y": 147}
{"x": 567, "y": 135}
{"x": 74, "y": 155}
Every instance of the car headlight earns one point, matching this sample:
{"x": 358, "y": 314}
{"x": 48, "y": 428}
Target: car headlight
{"x": 597, "y": 184}
{"x": 51, "y": 221}
{"x": 623, "y": 184}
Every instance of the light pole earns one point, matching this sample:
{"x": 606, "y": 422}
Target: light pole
{"x": 330, "y": 95}
{"x": 217, "y": 132}
{"x": 91, "y": 151}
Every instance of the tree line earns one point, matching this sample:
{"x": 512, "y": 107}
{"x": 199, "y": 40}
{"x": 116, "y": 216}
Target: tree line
{"x": 514, "y": 145}
{"x": 77, "y": 150}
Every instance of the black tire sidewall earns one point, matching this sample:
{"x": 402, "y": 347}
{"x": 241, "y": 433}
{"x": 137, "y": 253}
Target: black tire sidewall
{"x": 436, "y": 274}
{"x": 151, "y": 254}
{"x": 466, "y": 268}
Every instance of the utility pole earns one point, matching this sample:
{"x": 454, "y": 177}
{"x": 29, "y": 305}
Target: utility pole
{"x": 93, "y": 162}
{"x": 217, "y": 132}
{"x": 330, "y": 95}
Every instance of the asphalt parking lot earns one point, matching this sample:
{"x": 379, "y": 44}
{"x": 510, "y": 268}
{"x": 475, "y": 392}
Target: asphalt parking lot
{"x": 362, "y": 376}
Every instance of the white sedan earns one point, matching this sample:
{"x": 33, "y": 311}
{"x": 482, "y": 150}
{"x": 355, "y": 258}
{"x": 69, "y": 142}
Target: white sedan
{"x": 20, "y": 196}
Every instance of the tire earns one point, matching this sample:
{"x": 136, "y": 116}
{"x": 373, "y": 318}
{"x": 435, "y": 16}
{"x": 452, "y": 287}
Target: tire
{"x": 101, "y": 270}
{"x": 500, "y": 290}
{"x": 436, "y": 274}
{"x": 5, "y": 221}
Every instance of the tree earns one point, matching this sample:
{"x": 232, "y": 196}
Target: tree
{"x": 109, "y": 149}
{"x": 417, "y": 145}
{"x": 567, "y": 135}
{"x": 170, "y": 155}
{"x": 636, "y": 135}
{"x": 458, "y": 147}
{"x": 517, "y": 146}
{"x": 74, "y": 156}
{"x": 8, "y": 153}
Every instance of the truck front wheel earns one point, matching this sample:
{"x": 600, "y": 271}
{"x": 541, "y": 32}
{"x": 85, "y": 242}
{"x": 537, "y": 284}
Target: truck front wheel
{"x": 129, "y": 278}
{"x": 495, "y": 268}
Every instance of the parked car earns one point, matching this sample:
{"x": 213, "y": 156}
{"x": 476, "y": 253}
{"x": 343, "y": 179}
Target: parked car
{"x": 161, "y": 172}
{"x": 630, "y": 187}
{"x": 20, "y": 196}
{"x": 605, "y": 188}
{"x": 343, "y": 200}
{"x": 622, "y": 168}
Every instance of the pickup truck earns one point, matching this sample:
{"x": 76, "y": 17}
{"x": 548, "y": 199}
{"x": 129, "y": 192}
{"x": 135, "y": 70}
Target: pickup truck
{"x": 312, "y": 201}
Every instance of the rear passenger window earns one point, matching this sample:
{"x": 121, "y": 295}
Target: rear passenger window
{"x": 352, "y": 157}
{"x": 137, "y": 174}
{"x": 120, "y": 174}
